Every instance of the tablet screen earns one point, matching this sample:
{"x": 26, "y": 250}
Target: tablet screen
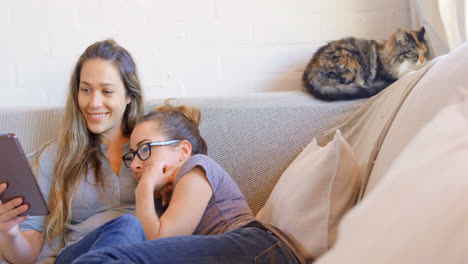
{"x": 17, "y": 173}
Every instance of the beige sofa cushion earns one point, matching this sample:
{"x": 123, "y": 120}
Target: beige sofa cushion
{"x": 314, "y": 192}
{"x": 418, "y": 211}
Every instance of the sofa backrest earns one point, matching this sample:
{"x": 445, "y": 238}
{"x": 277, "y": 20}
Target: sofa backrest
{"x": 253, "y": 137}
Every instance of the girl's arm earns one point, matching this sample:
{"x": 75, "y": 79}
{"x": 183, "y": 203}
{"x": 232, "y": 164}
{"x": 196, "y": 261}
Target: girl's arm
{"x": 188, "y": 203}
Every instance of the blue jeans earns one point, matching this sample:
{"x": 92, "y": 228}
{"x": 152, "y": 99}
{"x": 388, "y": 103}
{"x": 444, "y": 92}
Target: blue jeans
{"x": 122, "y": 240}
{"x": 126, "y": 229}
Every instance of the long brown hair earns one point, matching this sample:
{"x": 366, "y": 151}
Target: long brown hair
{"x": 79, "y": 149}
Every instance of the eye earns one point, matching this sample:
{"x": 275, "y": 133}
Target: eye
{"x": 84, "y": 90}
{"x": 128, "y": 157}
{"x": 408, "y": 55}
{"x": 108, "y": 92}
{"x": 143, "y": 150}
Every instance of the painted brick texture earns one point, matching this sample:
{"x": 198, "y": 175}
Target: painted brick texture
{"x": 182, "y": 47}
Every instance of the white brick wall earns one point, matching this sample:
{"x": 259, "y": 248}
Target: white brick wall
{"x": 40, "y": 16}
{"x": 182, "y": 47}
{"x": 6, "y": 77}
{"x": 4, "y": 18}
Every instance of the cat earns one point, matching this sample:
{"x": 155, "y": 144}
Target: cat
{"x": 352, "y": 68}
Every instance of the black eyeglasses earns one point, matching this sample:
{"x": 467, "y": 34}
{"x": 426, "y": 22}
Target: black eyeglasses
{"x": 144, "y": 151}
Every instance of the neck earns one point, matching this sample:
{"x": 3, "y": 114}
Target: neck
{"x": 113, "y": 139}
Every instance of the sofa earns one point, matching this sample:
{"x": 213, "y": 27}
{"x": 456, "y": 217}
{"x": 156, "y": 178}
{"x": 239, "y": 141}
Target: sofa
{"x": 256, "y": 137}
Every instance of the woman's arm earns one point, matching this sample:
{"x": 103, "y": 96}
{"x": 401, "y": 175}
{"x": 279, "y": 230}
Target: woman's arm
{"x": 16, "y": 246}
{"x": 188, "y": 203}
{"x": 24, "y": 248}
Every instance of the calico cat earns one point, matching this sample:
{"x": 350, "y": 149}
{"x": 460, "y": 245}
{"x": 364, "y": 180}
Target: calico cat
{"x": 353, "y": 68}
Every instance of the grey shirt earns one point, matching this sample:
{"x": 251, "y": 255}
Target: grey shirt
{"x": 227, "y": 209}
{"x": 89, "y": 209}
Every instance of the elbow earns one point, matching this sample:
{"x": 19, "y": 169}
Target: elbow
{"x": 152, "y": 230}
{"x": 151, "y": 236}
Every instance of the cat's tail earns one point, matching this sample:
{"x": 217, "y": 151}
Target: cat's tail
{"x": 350, "y": 91}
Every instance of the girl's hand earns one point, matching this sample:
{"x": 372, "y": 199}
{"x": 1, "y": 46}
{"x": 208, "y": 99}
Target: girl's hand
{"x": 165, "y": 193}
{"x": 10, "y": 214}
{"x": 158, "y": 175}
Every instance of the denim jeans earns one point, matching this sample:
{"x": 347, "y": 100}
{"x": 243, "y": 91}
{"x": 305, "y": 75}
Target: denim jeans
{"x": 122, "y": 240}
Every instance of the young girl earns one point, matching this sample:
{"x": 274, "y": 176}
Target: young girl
{"x": 207, "y": 219}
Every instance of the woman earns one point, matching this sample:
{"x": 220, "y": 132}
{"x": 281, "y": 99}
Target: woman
{"x": 207, "y": 219}
{"x": 81, "y": 171}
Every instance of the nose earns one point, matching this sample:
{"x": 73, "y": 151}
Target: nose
{"x": 421, "y": 56}
{"x": 136, "y": 164}
{"x": 96, "y": 100}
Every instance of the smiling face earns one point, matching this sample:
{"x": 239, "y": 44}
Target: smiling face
{"x": 102, "y": 97}
{"x": 168, "y": 155}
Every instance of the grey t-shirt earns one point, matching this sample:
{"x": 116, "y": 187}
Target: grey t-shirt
{"x": 227, "y": 208}
{"x": 89, "y": 209}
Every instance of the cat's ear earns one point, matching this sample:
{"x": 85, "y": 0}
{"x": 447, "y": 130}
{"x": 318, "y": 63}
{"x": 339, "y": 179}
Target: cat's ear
{"x": 401, "y": 37}
{"x": 420, "y": 34}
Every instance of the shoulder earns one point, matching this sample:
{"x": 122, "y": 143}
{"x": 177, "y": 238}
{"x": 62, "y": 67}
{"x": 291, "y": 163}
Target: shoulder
{"x": 44, "y": 158}
{"x": 47, "y": 151}
{"x": 200, "y": 160}
{"x": 213, "y": 172}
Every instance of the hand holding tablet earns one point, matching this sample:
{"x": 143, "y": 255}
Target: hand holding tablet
{"x": 16, "y": 172}
{"x": 11, "y": 213}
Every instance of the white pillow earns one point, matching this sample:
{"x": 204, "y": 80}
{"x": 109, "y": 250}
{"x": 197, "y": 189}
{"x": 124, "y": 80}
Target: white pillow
{"x": 418, "y": 212}
{"x": 313, "y": 193}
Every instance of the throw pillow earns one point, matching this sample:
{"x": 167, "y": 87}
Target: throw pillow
{"x": 313, "y": 193}
{"x": 417, "y": 213}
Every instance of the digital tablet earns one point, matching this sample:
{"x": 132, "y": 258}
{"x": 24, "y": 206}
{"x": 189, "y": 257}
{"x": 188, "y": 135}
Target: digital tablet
{"x": 17, "y": 173}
